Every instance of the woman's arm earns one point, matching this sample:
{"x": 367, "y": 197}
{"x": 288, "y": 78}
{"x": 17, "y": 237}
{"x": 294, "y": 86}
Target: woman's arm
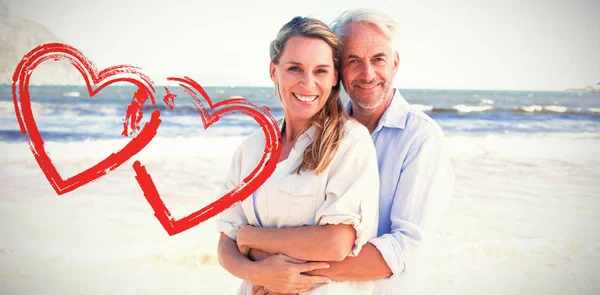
{"x": 317, "y": 243}
{"x": 278, "y": 273}
{"x": 232, "y": 260}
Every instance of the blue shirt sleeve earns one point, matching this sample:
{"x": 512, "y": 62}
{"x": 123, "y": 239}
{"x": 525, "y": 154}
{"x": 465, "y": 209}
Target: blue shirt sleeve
{"x": 423, "y": 193}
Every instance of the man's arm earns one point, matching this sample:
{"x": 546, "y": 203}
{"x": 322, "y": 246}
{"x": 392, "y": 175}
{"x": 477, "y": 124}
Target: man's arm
{"x": 422, "y": 195}
{"x": 368, "y": 265}
{"x": 315, "y": 243}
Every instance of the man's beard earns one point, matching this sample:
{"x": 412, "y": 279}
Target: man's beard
{"x": 370, "y": 105}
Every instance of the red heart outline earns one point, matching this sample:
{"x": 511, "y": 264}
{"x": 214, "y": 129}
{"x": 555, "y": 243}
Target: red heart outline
{"x": 251, "y": 183}
{"x": 121, "y": 73}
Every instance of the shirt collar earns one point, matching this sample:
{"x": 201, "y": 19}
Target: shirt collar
{"x": 395, "y": 114}
{"x": 310, "y": 133}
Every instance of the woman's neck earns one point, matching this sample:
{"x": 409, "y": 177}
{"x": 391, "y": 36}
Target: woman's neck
{"x": 293, "y": 129}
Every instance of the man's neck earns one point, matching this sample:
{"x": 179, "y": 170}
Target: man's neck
{"x": 370, "y": 117}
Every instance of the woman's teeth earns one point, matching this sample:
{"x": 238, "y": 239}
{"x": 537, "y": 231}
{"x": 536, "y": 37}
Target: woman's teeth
{"x": 306, "y": 98}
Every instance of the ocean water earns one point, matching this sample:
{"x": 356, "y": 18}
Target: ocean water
{"x": 69, "y": 114}
{"x": 524, "y": 219}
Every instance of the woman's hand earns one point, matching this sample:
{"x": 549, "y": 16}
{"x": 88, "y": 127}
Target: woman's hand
{"x": 242, "y": 240}
{"x": 244, "y": 250}
{"x": 260, "y": 290}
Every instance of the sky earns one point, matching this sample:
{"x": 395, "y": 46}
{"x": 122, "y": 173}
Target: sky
{"x": 470, "y": 44}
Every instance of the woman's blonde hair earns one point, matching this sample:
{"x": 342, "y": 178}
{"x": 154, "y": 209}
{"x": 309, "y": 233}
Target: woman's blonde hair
{"x": 329, "y": 121}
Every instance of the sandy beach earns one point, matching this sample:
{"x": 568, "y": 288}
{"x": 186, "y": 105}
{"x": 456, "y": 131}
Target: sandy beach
{"x": 524, "y": 220}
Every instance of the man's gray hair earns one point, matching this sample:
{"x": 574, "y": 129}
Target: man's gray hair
{"x": 386, "y": 24}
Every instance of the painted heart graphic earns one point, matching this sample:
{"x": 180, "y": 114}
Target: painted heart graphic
{"x": 252, "y": 182}
{"x": 95, "y": 82}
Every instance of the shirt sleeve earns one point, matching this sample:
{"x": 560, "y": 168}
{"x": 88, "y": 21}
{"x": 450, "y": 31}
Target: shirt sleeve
{"x": 232, "y": 219}
{"x": 422, "y": 194}
{"x": 352, "y": 193}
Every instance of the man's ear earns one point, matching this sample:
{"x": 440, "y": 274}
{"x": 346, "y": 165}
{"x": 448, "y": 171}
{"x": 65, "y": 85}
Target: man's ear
{"x": 396, "y": 62}
{"x": 272, "y": 72}
{"x": 335, "y": 78}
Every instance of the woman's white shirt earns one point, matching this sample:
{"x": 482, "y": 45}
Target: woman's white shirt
{"x": 346, "y": 192}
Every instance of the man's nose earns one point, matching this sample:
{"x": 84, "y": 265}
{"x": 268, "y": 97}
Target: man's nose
{"x": 367, "y": 72}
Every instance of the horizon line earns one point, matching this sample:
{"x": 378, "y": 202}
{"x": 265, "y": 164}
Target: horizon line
{"x": 124, "y": 84}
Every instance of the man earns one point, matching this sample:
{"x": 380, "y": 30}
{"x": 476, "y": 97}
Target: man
{"x": 416, "y": 178}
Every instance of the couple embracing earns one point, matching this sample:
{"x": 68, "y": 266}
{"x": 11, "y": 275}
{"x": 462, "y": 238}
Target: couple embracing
{"x": 358, "y": 189}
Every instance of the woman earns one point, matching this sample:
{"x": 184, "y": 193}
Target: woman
{"x": 327, "y": 174}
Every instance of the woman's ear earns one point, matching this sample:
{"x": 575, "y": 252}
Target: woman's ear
{"x": 273, "y": 72}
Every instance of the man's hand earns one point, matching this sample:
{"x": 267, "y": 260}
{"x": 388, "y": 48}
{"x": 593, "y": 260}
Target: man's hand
{"x": 283, "y": 274}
